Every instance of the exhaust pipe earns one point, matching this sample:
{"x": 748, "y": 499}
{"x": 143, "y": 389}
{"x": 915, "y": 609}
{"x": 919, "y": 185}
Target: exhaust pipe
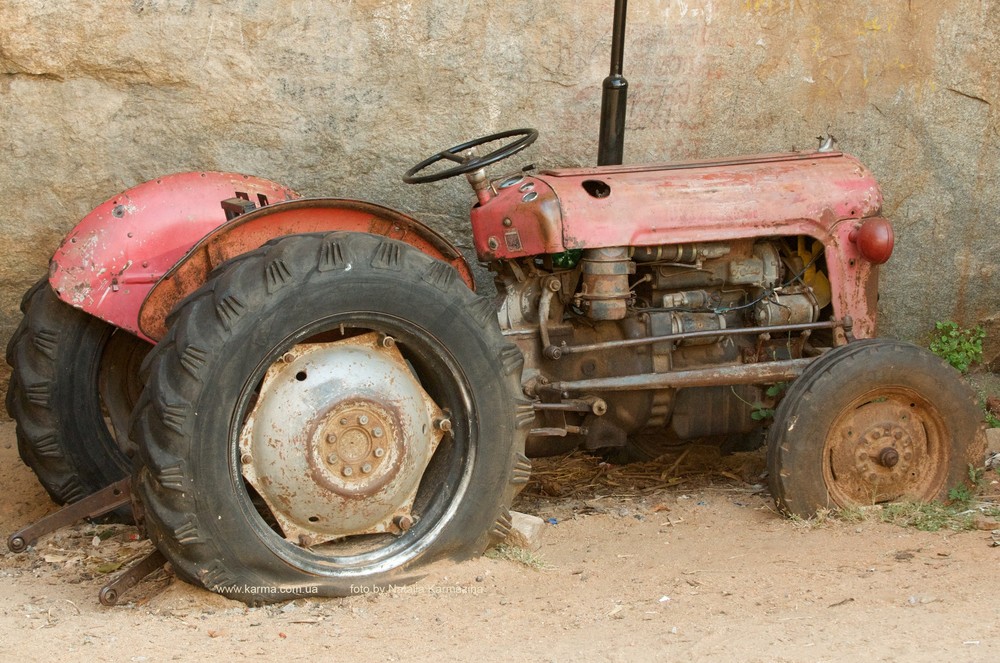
{"x": 611, "y": 145}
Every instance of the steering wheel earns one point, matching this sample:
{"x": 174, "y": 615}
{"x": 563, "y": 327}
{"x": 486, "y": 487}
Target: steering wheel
{"x": 467, "y": 164}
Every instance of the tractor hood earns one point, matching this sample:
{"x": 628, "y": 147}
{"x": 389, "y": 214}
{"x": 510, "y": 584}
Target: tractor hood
{"x": 698, "y": 201}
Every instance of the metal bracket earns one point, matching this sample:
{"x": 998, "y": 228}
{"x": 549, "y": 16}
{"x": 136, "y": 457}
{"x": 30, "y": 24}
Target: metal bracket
{"x": 97, "y": 504}
{"x": 112, "y": 591}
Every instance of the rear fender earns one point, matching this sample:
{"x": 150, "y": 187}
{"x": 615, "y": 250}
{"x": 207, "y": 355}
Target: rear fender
{"x": 109, "y": 262}
{"x": 254, "y": 229}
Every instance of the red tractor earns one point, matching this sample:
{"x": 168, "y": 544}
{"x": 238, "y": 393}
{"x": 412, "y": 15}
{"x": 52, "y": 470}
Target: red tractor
{"x": 309, "y": 393}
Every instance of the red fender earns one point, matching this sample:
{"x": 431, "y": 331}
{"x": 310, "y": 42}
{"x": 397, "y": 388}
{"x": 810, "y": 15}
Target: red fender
{"x": 254, "y": 229}
{"x": 109, "y": 262}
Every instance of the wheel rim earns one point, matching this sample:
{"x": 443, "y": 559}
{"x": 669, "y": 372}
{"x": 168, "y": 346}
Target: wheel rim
{"x": 318, "y": 537}
{"x": 889, "y": 444}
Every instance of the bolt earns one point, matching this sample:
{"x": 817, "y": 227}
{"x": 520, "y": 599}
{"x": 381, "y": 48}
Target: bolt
{"x": 305, "y": 540}
{"x": 377, "y": 432}
{"x": 348, "y": 471}
{"x": 443, "y": 425}
{"x": 493, "y": 244}
{"x": 363, "y": 419}
{"x": 387, "y": 341}
{"x": 366, "y": 468}
{"x": 379, "y": 452}
{"x": 246, "y": 459}
{"x": 332, "y": 459}
{"x": 403, "y": 522}
{"x": 288, "y": 357}
{"x": 331, "y": 437}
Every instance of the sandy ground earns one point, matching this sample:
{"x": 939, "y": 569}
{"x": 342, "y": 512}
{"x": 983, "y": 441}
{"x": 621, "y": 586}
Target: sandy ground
{"x": 701, "y": 570}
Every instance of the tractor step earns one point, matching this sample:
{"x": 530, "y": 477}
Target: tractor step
{"x": 112, "y": 591}
{"x": 96, "y": 504}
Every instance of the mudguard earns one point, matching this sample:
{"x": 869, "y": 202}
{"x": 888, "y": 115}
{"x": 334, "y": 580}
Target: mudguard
{"x": 307, "y": 215}
{"x": 109, "y": 262}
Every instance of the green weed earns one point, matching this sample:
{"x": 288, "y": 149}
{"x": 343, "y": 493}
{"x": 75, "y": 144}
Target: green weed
{"x": 959, "y": 347}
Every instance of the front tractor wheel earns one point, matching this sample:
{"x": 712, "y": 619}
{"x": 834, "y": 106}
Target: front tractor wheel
{"x": 871, "y": 422}
{"x": 323, "y": 415}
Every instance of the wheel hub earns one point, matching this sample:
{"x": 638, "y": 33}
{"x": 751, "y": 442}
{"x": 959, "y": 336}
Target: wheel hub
{"x": 358, "y": 444}
{"x": 339, "y": 438}
{"x": 880, "y": 452}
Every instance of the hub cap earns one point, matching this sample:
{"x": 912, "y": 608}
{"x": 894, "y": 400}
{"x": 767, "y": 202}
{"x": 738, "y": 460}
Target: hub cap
{"x": 339, "y": 439}
{"x": 886, "y": 448}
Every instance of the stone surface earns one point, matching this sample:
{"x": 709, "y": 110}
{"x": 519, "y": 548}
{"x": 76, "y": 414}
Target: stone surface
{"x": 993, "y": 441}
{"x": 526, "y": 532}
{"x": 340, "y": 98}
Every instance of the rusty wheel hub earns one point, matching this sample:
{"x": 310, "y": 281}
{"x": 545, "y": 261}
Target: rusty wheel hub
{"x": 339, "y": 439}
{"x": 885, "y": 448}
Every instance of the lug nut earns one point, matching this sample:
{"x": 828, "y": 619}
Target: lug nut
{"x": 366, "y": 468}
{"x": 387, "y": 341}
{"x": 403, "y": 522}
{"x": 288, "y": 357}
{"x": 332, "y": 458}
{"x": 379, "y": 452}
{"x": 343, "y": 421}
{"x": 443, "y": 425}
{"x": 348, "y": 471}
{"x": 363, "y": 420}
{"x": 246, "y": 459}
{"x": 331, "y": 437}
{"x": 377, "y": 432}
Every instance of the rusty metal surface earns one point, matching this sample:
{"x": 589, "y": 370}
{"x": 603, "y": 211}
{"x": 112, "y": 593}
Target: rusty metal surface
{"x": 250, "y": 231}
{"x": 97, "y": 504}
{"x": 763, "y": 373}
{"x": 110, "y": 260}
{"x": 112, "y": 592}
{"x": 339, "y": 439}
{"x": 710, "y": 334}
{"x": 888, "y": 445}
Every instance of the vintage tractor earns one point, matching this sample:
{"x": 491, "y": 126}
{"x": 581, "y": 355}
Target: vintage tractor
{"x": 308, "y": 394}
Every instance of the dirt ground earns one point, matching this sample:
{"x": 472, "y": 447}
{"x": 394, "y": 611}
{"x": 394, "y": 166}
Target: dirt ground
{"x": 696, "y": 566}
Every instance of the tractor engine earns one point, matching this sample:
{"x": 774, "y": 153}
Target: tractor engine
{"x": 603, "y": 313}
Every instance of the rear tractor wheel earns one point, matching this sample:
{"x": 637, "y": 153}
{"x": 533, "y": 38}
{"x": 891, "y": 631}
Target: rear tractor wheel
{"x": 74, "y": 382}
{"x": 325, "y": 414}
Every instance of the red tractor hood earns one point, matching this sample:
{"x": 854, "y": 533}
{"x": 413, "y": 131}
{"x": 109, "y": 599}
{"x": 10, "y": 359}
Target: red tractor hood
{"x": 699, "y": 201}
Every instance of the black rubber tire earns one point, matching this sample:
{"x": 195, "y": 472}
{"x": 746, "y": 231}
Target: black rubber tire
{"x": 65, "y": 364}
{"x": 802, "y": 444}
{"x": 201, "y": 377}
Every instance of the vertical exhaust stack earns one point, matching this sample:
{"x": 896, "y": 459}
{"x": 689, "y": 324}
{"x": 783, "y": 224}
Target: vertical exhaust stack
{"x": 611, "y": 147}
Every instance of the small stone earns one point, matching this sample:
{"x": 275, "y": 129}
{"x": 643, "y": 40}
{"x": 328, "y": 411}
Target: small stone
{"x": 526, "y": 531}
{"x": 984, "y": 523}
{"x": 992, "y": 440}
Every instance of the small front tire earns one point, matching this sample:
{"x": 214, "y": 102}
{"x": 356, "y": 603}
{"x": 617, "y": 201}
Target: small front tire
{"x": 874, "y": 421}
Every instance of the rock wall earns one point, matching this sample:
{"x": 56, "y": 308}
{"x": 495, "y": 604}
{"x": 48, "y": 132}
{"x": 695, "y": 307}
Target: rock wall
{"x": 338, "y": 98}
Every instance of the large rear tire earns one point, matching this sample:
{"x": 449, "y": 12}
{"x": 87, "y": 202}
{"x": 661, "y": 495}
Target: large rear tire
{"x": 874, "y": 421}
{"x": 325, "y": 414}
{"x": 74, "y": 381}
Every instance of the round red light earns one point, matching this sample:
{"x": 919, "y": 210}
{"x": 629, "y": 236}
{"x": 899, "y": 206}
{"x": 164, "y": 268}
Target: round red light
{"x": 874, "y": 240}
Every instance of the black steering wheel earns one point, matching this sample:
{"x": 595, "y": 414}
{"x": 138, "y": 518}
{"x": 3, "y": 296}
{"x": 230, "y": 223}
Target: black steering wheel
{"x": 467, "y": 164}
